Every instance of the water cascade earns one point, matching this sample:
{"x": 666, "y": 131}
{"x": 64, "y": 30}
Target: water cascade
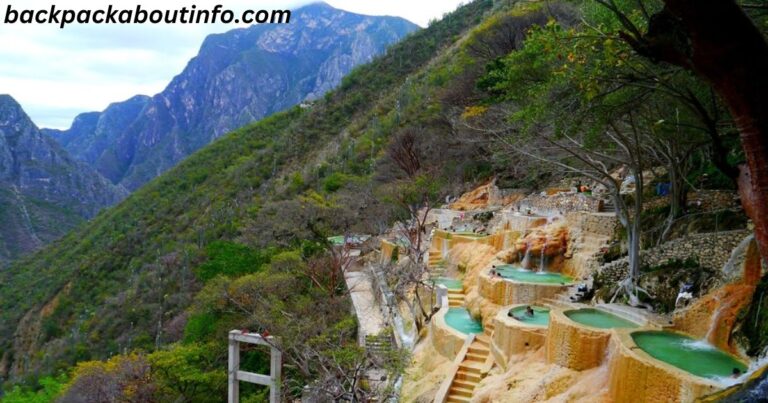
{"x": 543, "y": 253}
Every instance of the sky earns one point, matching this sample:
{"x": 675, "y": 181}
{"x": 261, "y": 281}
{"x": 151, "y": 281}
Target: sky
{"x": 56, "y": 73}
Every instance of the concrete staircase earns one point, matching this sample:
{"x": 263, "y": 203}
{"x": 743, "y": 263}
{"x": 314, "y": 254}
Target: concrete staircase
{"x": 470, "y": 371}
{"x": 455, "y": 298}
{"x": 608, "y": 206}
{"x": 435, "y": 258}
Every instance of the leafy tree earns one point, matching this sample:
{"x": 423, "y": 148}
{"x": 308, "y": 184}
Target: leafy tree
{"x": 581, "y": 100}
{"x": 122, "y": 378}
{"x": 720, "y": 43}
{"x": 190, "y": 373}
{"x": 50, "y": 389}
{"x": 231, "y": 259}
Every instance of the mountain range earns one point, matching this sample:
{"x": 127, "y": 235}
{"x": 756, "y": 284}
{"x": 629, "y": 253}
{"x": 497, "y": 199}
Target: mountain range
{"x": 44, "y": 192}
{"x": 237, "y": 77}
{"x": 125, "y": 281}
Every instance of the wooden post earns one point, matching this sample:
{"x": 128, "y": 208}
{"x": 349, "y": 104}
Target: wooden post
{"x": 234, "y": 366}
{"x": 235, "y": 375}
{"x": 276, "y": 359}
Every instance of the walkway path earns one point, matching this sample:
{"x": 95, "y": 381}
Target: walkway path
{"x": 368, "y": 313}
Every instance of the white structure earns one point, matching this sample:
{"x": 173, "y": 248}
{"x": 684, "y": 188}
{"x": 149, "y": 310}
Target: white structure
{"x": 235, "y": 375}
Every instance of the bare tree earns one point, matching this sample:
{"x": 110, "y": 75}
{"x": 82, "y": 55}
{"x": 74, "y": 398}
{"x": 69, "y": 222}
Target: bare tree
{"x": 405, "y": 152}
{"x": 621, "y": 144}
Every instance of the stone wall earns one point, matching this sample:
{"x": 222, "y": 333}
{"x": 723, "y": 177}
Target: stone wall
{"x": 560, "y": 203}
{"x": 601, "y": 224}
{"x": 570, "y": 344}
{"x": 712, "y": 250}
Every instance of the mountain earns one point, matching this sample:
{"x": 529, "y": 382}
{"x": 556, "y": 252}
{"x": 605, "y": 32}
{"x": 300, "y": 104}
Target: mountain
{"x": 237, "y": 77}
{"x": 93, "y": 132}
{"x": 127, "y": 279}
{"x": 44, "y": 192}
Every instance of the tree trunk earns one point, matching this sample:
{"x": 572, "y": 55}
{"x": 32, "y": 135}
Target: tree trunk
{"x": 634, "y": 229}
{"x": 677, "y": 200}
{"x": 720, "y": 43}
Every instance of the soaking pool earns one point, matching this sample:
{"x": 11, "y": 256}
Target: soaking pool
{"x": 468, "y": 234}
{"x": 599, "y": 319}
{"x": 540, "y": 315}
{"x": 449, "y": 283}
{"x": 461, "y": 320}
{"x": 516, "y": 273}
{"x": 691, "y": 355}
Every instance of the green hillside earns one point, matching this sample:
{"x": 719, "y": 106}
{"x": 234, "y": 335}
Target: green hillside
{"x": 537, "y": 95}
{"x": 103, "y": 289}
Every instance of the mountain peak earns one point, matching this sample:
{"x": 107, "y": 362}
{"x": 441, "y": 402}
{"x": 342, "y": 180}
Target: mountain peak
{"x": 7, "y": 101}
{"x": 238, "y": 77}
{"x": 11, "y": 112}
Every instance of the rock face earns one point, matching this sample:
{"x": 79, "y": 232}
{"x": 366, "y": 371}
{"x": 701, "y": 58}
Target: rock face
{"x": 43, "y": 190}
{"x": 237, "y": 77}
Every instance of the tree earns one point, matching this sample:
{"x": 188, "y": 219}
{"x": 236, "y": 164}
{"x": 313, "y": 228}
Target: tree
{"x": 311, "y": 323}
{"x": 412, "y": 197}
{"x": 717, "y": 41}
{"x": 124, "y": 378}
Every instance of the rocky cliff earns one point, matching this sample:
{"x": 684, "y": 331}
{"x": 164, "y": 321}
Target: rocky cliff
{"x": 238, "y": 77}
{"x": 43, "y": 190}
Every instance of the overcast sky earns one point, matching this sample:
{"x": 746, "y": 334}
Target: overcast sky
{"x": 56, "y": 74}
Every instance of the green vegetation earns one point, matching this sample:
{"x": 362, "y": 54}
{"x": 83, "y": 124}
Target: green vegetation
{"x": 236, "y": 236}
{"x": 129, "y": 280}
{"x": 231, "y": 259}
{"x": 49, "y": 389}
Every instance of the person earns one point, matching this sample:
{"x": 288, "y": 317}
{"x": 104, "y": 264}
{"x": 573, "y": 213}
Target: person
{"x": 529, "y": 311}
{"x": 493, "y": 272}
{"x": 735, "y": 373}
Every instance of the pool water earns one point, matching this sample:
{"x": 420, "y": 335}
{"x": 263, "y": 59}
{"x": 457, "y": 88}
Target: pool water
{"x": 449, "y": 283}
{"x": 468, "y": 234}
{"x": 461, "y": 320}
{"x": 599, "y": 319}
{"x": 516, "y": 273}
{"x": 694, "y": 356}
{"x": 540, "y": 315}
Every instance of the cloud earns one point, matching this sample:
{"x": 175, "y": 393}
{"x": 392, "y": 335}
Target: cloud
{"x": 57, "y": 73}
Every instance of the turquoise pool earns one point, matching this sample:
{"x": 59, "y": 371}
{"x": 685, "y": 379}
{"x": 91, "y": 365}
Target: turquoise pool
{"x": 540, "y": 315}
{"x": 517, "y": 273}
{"x": 694, "y": 356}
{"x": 449, "y": 283}
{"x": 468, "y": 234}
{"x": 599, "y": 319}
{"x": 461, "y": 320}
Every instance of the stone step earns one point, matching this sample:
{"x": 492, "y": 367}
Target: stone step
{"x": 457, "y": 399}
{"x": 475, "y": 357}
{"x": 464, "y": 384}
{"x": 475, "y": 349}
{"x": 467, "y": 376}
{"x": 457, "y": 391}
{"x": 469, "y": 367}
{"x": 483, "y": 340}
